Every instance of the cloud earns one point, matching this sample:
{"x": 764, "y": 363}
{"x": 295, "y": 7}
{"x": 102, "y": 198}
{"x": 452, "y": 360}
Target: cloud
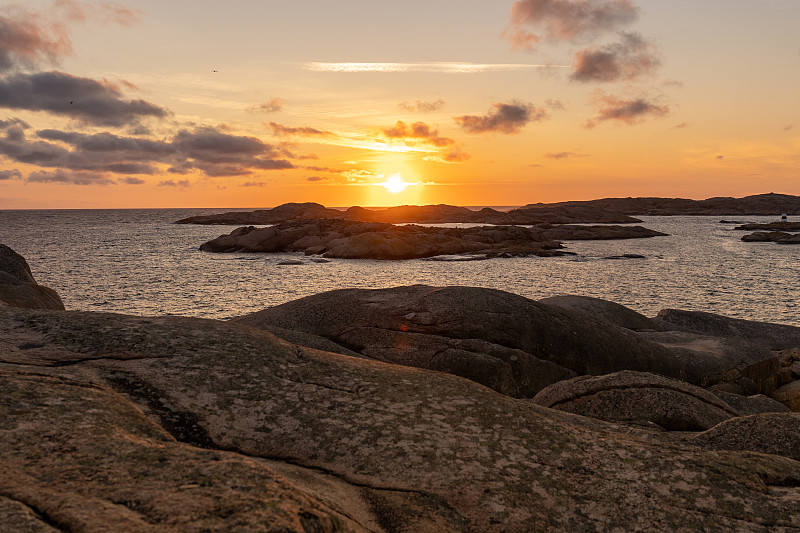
{"x": 450, "y": 156}
{"x": 556, "y": 105}
{"x": 563, "y": 155}
{"x": 254, "y": 184}
{"x": 626, "y": 60}
{"x": 207, "y": 149}
{"x": 628, "y": 112}
{"x": 272, "y": 106}
{"x": 24, "y": 43}
{"x": 434, "y": 67}
{"x": 10, "y": 175}
{"x": 522, "y": 40}
{"x": 418, "y": 106}
{"x": 105, "y": 12}
{"x": 131, "y": 180}
{"x": 172, "y": 183}
{"x": 681, "y": 126}
{"x": 83, "y": 99}
{"x": 504, "y": 118}
{"x": 568, "y": 20}
{"x": 788, "y": 128}
{"x": 303, "y": 131}
{"x": 316, "y": 178}
{"x": 411, "y": 134}
{"x": 69, "y": 177}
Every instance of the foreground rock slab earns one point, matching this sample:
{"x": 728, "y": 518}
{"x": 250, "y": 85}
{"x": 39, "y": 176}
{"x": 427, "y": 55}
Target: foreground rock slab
{"x": 93, "y": 404}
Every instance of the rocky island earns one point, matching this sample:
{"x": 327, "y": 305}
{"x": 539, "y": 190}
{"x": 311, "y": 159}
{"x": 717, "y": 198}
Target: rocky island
{"x": 335, "y": 238}
{"x": 411, "y": 409}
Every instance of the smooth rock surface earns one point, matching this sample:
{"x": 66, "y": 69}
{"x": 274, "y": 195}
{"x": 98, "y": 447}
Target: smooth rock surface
{"x": 18, "y": 288}
{"x": 611, "y": 312}
{"x": 638, "y": 397}
{"x": 403, "y": 449}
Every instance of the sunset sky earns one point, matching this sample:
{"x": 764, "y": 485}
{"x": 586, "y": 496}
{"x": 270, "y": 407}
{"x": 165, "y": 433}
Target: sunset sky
{"x": 254, "y": 103}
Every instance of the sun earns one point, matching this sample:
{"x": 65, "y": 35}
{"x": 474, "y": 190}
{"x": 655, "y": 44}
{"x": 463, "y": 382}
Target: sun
{"x": 395, "y": 184}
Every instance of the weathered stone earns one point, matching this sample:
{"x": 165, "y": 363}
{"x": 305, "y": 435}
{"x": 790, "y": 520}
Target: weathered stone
{"x": 780, "y": 237}
{"x": 750, "y": 405}
{"x": 442, "y": 328}
{"x": 789, "y": 395}
{"x": 606, "y": 311}
{"x": 17, "y": 286}
{"x": 771, "y": 336}
{"x": 773, "y": 433}
{"x": 638, "y": 397}
{"x": 415, "y": 450}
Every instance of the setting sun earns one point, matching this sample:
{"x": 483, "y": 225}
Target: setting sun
{"x": 395, "y": 184}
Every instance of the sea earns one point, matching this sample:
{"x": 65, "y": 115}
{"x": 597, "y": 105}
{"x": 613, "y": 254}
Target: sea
{"x": 137, "y": 261}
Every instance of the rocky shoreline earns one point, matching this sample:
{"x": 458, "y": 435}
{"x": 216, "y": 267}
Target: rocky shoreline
{"x": 397, "y": 410}
{"x": 333, "y": 238}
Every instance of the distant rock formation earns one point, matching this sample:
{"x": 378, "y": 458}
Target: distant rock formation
{"x": 375, "y": 240}
{"x": 413, "y": 214}
{"x": 770, "y": 204}
{"x": 17, "y": 286}
{"x": 780, "y": 237}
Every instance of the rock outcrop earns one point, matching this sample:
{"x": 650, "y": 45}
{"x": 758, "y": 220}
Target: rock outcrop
{"x": 163, "y": 424}
{"x": 17, "y": 286}
{"x": 638, "y": 397}
{"x": 780, "y": 237}
{"x": 375, "y": 240}
{"x": 773, "y": 433}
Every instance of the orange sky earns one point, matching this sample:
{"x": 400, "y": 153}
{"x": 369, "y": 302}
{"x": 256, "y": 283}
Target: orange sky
{"x": 249, "y": 103}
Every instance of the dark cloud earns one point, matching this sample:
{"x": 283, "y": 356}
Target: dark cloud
{"x": 504, "y": 118}
{"x": 70, "y": 177}
{"x": 23, "y": 43}
{"x": 285, "y": 131}
{"x": 626, "y": 60}
{"x": 569, "y": 19}
{"x": 418, "y": 106}
{"x": 625, "y": 111}
{"x": 413, "y": 134}
{"x": 272, "y": 106}
{"x": 316, "y": 178}
{"x": 207, "y": 149}
{"x": 131, "y": 180}
{"x": 10, "y": 175}
{"x": 83, "y": 99}
{"x": 172, "y": 183}
{"x": 254, "y": 184}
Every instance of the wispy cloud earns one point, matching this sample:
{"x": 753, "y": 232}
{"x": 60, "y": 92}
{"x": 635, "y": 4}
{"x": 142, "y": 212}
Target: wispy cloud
{"x": 418, "y": 106}
{"x": 273, "y": 105}
{"x": 436, "y": 67}
{"x": 413, "y": 134}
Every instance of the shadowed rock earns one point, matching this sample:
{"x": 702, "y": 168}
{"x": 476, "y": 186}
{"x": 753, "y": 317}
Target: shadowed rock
{"x": 502, "y": 340}
{"x": 773, "y": 433}
{"x": 611, "y": 312}
{"x": 751, "y": 405}
{"x": 17, "y": 286}
{"x": 402, "y": 449}
{"x": 375, "y": 240}
{"x": 638, "y": 397}
{"x": 780, "y": 237}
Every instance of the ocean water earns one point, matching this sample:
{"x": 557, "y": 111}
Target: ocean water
{"x": 138, "y": 262}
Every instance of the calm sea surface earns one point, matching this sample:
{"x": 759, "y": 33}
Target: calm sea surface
{"x": 138, "y": 262}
